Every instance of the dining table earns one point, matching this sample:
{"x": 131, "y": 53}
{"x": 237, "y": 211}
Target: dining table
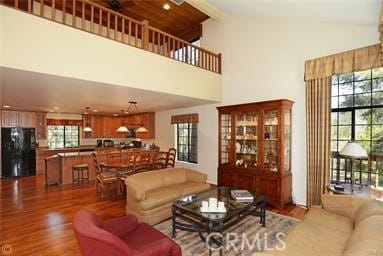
{"x": 123, "y": 169}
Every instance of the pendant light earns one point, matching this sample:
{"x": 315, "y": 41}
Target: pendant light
{"x": 122, "y": 127}
{"x": 87, "y": 127}
{"x": 141, "y": 128}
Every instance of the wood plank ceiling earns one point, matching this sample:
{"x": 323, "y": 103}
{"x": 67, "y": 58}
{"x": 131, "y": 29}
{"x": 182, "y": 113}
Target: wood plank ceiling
{"x": 183, "y": 21}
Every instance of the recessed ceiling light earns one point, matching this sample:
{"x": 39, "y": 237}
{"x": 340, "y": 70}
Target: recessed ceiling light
{"x": 115, "y": 114}
{"x": 95, "y": 110}
{"x": 55, "y": 108}
{"x": 166, "y": 7}
{"x": 6, "y": 106}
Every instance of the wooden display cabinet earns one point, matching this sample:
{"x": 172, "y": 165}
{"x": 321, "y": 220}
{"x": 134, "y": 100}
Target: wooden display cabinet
{"x": 255, "y": 149}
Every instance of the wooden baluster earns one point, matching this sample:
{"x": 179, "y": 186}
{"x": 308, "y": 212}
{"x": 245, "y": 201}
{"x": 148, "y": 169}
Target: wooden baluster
{"x": 64, "y": 12}
{"x": 153, "y": 41}
{"x": 178, "y": 50}
{"x": 42, "y": 8}
{"x": 208, "y": 62}
{"x": 145, "y": 35}
{"x": 204, "y": 59}
{"x": 219, "y": 63}
{"x": 115, "y": 27}
{"x": 100, "y": 22}
{"x": 83, "y": 15}
{"x": 168, "y": 46}
{"x": 92, "y": 18}
{"x": 29, "y": 5}
{"x": 16, "y": 4}
{"x": 74, "y": 14}
{"x": 108, "y": 25}
{"x": 136, "y": 35}
{"x": 158, "y": 42}
{"x": 53, "y": 10}
{"x": 129, "y": 30}
{"x": 123, "y": 30}
{"x": 174, "y": 48}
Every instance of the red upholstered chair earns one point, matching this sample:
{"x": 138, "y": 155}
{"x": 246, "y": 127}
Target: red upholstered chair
{"x": 120, "y": 236}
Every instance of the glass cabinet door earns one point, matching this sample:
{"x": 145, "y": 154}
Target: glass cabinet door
{"x": 270, "y": 157}
{"x": 246, "y": 139}
{"x": 225, "y": 138}
{"x": 287, "y": 140}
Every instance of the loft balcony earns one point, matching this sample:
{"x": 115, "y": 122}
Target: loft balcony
{"x": 48, "y": 37}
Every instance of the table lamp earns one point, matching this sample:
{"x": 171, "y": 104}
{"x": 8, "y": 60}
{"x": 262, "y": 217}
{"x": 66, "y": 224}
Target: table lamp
{"x": 353, "y": 150}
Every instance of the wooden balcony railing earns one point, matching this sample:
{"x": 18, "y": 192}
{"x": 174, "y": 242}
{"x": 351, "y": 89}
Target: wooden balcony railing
{"x": 96, "y": 19}
{"x": 367, "y": 171}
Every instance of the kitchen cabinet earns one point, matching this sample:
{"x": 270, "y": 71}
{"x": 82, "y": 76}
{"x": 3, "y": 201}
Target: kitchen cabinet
{"x": 148, "y": 120}
{"x": 41, "y": 126}
{"x": 21, "y": 119}
{"x": 106, "y": 126}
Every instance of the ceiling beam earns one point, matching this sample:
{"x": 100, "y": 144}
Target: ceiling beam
{"x": 206, "y": 8}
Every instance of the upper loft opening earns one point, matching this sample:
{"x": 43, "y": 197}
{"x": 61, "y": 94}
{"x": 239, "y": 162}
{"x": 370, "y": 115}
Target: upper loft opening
{"x": 99, "y": 20}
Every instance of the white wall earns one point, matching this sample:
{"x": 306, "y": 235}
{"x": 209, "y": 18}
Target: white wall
{"x": 263, "y": 59}
{"x": 68, "y": 52}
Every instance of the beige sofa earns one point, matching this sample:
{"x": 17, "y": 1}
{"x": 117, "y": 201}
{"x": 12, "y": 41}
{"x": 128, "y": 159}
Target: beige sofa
{"x": 150, "y": 194}
{"x": 345, "y": 225}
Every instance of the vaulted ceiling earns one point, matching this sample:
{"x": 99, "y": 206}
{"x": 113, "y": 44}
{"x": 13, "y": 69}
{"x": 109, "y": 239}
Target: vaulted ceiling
{"x": 183, "y": 21}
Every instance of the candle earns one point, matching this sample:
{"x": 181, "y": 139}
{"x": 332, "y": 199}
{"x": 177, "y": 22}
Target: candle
{"x": 212, "y": 203}
{"x": 221, "y": 205}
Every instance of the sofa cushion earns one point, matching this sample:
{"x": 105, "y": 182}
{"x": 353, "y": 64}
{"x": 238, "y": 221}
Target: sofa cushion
{"x": 145, "y": 181}
{"x": 189, "y": 187}
{"x": 367, "y": 238}
{"x": 159, "y": 196}
{"x": 313, "y": 239}
{"x": 365, "y": 248}
{"x": 366, "y": 210}
{"x": 172, "y": 176}
{"x": 369, "y": 229}
{"x": 329, "y": 220}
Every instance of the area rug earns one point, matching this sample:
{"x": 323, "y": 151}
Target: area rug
{"x": 245, "y": 238}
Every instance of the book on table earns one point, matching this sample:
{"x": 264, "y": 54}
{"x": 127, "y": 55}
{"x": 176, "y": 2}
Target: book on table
{"x": 242, "y": 195}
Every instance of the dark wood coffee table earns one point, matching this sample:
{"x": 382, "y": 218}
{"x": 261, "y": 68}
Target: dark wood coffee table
{"x": 187, "y": 215}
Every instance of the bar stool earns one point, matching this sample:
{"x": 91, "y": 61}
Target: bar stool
{"x": 79, "y": 170}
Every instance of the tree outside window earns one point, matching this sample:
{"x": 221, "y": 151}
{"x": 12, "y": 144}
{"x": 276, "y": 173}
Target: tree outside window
{"x": 357, "y": 114}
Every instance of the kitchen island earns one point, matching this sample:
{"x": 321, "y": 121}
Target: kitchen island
{"x": 59, "y": 167}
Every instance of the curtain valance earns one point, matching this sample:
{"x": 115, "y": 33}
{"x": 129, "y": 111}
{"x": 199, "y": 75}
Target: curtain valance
{"x": 64, "y": 122}
{"x": 344, "y": 62}
{"x": 187, "y": 118}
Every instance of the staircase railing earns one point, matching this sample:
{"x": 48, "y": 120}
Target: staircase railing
{"x": 97, "y": 19}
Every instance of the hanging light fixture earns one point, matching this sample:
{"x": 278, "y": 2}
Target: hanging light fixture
{"x": 141, "y": 128}
{"x": 122, "y": 127}
{"x": 87, "y": 127}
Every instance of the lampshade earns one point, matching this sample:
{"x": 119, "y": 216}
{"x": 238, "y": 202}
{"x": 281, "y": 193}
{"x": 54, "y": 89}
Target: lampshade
{"x": 122, "y": 128}
{"x": 87, "y": 129}
{"x": 142, "y": 129}
{"x": 353, "y": 149}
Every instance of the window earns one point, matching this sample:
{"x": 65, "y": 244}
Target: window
{"x": 63, "y": 136}
{"x": 357, "y": 114}
{"x": 187, "y": 142}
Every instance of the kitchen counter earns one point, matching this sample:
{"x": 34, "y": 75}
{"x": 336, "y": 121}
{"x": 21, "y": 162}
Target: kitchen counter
{"x": 66, "y": 149}
{"x": 74, "y": 154}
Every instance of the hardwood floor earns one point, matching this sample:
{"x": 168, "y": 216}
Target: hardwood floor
{"x": 37, "y": 220}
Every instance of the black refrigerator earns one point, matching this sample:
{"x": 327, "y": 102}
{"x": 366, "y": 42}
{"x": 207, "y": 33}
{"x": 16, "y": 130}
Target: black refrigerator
{"x": 18, "y": 151}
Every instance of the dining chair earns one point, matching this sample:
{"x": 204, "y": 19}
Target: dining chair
{"x": 159, "y": 160}
{"x": 141, "y": 161}
{"x": 104, "y": 179}
{"x": 170, "y": 158}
